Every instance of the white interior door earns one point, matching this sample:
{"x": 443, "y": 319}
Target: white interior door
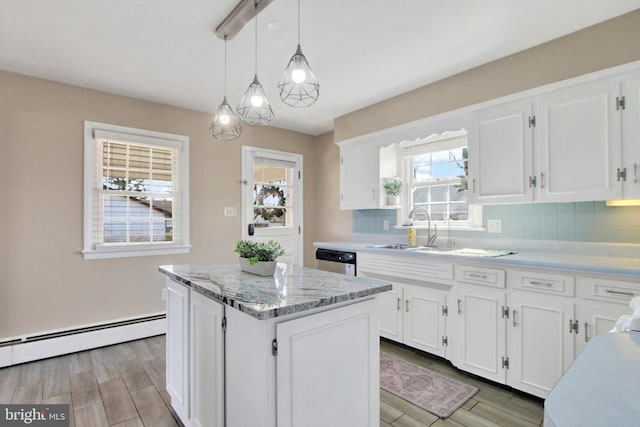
{"x": 272, "y": 200}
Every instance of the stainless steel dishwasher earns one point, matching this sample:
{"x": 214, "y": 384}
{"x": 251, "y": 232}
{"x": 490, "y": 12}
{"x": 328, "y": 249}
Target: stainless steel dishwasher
{"x": 336, "y": 261}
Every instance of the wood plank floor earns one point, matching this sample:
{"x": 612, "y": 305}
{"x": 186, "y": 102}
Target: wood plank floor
{"x": 123, "y": 385}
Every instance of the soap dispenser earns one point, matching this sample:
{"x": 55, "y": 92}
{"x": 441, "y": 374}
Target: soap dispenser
{"x": 411, "y": 236}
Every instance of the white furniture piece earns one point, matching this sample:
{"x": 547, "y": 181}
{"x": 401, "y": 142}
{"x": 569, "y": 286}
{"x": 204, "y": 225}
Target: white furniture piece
{"x": 298, "y": 348}
{"x": 496, "y": 317}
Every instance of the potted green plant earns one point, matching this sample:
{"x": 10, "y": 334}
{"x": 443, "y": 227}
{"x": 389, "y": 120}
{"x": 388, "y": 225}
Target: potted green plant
{"x": 393, "y": 188}
{"x": 258, "y": 257}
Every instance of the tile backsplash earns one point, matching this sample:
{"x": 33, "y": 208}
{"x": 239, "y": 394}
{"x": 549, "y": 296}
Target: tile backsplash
{"x": 572, "y": 222}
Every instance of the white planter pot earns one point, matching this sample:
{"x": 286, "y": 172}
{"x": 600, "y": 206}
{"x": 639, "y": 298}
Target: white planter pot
{"x": 393, "y": 200}
{"x": 262, "y": 268}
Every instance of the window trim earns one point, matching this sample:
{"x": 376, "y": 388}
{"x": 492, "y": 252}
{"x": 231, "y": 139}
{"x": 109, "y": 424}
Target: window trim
{"x": 93, "y": 130}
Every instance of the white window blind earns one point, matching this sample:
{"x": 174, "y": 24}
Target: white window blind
{"x": 135, "y": 202}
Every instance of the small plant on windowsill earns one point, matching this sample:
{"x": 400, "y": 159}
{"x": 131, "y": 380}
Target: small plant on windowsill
{"x": 393, "y": 188}
{"x": 258, "y": 257}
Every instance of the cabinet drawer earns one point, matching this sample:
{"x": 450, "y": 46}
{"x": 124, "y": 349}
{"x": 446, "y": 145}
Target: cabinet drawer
{"x": 607, "y": 290}
{"x": 480, "y": 275}
{"x": 541, "y": 282}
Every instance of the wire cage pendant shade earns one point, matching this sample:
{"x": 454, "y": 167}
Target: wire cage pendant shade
{"x": 298, "y": 85}
{"x": 226, "y": 125}
{"x": 254, "y": 107}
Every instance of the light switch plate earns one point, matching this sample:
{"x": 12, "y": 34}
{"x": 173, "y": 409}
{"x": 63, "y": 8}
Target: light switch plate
{"x": 494, "y": 225}
{"x": 230, "y": 211}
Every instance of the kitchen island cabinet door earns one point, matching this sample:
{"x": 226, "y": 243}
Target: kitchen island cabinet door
{"x": 540, "y": 340}
{"x": 178, "y": 347}
{"x": 328, "y": 368}
{"x": 424, "y": 319}
{"x": 480, "y": 331}
{"x": 206, "y": 362}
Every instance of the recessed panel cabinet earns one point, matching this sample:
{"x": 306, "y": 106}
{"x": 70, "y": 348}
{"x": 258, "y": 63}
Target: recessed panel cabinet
{"x": 576, "y": 143}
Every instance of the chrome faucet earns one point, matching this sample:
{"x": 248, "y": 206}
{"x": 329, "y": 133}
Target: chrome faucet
{"x": 431, "y": 238}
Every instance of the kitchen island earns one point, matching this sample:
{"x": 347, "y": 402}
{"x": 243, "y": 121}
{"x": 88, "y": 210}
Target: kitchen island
{"x": 296, "y": 348}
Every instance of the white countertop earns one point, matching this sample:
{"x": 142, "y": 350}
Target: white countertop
{"x": 620, "y": 266}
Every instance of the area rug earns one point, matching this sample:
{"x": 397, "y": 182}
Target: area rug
{"x": 429, "y": 390}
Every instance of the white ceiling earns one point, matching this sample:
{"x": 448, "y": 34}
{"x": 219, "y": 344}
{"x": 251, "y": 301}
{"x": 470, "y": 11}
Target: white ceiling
{"x": 362, "y": 51}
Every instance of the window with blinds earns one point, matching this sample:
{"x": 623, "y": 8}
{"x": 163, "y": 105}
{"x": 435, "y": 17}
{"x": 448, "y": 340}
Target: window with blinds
{"x": 136, "y": 193}
{"x": 135, "y": 200}
{"x": 436, "y": 172}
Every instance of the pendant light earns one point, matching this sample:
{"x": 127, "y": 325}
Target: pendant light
{"x": 254, "y": 107}
{"x": 298, "y": 85}
{"x": 226, "y": 125}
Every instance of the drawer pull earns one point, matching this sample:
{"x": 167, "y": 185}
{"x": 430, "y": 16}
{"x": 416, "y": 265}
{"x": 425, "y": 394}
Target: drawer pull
{"x": 629, "y": 294}
{"x": 537, "y": 283}
{"x": 478, "y": 276}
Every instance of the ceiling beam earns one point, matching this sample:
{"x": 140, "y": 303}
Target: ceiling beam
{"x": 239, "y": 17}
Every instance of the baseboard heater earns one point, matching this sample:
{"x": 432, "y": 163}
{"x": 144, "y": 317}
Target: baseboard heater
{"x": 55, "y": 343}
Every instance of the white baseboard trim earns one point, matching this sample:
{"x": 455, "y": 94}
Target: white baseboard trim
{"x": 29, "y": 351}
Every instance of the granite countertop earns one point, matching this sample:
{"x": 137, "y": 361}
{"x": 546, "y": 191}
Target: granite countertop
{"x": 621, "y": 266}
{"x": 601, "y": 387}
{"x": 290, "y": 290}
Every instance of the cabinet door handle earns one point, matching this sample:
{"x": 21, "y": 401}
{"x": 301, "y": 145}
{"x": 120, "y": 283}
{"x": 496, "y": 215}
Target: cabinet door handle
{"x": 570, "y": 326}
{"x": 635, "y": 173}
{"x": 373, "y": 194}
{"x": 586, "y": 334}
{"x": 399, "y": 304}
{"x": 537, "y": 283}
{"x": 459, "y": 306}
{"x": 514, "y": 318}
{"x": 406, "y": 306}
{"x": 474, "y": 185}
{"x": 541, "y": 179}
{"x": 629, "y": 294}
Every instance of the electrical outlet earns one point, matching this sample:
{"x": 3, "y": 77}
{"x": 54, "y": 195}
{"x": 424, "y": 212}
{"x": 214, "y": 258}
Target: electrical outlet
{"x": 494, "y": 225}
{"x": 230, "y": 211}
{"x": 385, "y": 224}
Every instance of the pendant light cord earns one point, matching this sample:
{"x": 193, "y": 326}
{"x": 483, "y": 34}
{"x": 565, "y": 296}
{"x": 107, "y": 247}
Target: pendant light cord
{"x": 225, "y": 65}
{"x": 256, "y": 15}
{"x": 298, "y": 22}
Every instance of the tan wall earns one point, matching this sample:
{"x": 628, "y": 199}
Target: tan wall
{"x": 44, "y": 281}
{"x": 601, "y": 46}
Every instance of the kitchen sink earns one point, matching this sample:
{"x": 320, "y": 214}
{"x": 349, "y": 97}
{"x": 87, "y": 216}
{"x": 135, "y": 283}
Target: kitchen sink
{"x": 449, "y": 251}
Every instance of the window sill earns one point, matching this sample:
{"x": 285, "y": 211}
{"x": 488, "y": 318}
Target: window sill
{"x": 134, "y": 251}
{"x": 442, "y": 227}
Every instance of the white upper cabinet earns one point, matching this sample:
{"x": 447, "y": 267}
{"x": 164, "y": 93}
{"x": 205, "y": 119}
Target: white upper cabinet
{"x": 363, "y": 166}
{"x": 500, "y": 155}
{"x": 578, "y": 143}
{"x": 631, "y": 136}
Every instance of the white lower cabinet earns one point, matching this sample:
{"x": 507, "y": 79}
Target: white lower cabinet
{"x": 600, "y": 304}
{"x": 480, "y": 338}
{"x": 177, "y": 376}
{"x": 206, "y": 373}
{"x": 416, "y": 316}
{"x": 540, "y": 340}
{"x": 195, "y": 357}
